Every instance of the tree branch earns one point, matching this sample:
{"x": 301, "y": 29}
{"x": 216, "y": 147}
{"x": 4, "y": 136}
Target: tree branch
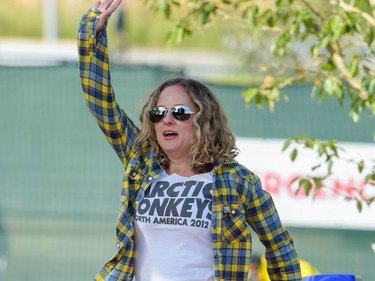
{"x": 355, "y": 83}
{"x": 312, "y": 10}
{"x": 349, "y": 8}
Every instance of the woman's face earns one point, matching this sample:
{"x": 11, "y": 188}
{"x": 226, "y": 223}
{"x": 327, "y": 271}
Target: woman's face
{"x": 175, "y": 137}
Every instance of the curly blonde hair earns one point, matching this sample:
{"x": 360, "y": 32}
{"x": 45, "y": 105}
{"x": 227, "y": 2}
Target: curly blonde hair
{"x": 213, "y": 139}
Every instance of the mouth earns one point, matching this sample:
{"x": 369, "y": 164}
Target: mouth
{"x": 169, "y": 133}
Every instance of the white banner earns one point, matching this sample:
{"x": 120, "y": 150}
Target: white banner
{"x": 328, "y": 209}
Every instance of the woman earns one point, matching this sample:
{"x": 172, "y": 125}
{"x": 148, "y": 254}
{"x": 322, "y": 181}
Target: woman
{"x": 186, "y": 205}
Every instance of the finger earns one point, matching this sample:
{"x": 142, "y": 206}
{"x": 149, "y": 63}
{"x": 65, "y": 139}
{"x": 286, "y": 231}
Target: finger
{"x": 114, "y": 6}
{"x": 97, "y": 4}
{"x": 106, "y": 12}
{"x": 100, "y": 24}
{"x": 106, "y": 4}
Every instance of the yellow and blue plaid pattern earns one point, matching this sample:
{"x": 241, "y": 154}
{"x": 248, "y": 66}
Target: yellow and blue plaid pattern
{"x": 238, "y": 200}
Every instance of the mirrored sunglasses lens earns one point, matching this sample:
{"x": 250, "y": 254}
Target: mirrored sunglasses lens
{"x": 156, "y": 114}
{"x": 181, "y": 113}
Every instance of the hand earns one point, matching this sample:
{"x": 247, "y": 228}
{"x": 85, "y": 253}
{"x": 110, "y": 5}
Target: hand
{"x": 107, "y": 7}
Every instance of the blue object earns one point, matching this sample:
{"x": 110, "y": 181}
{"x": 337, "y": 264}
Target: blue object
{"x": 331, "y": 277}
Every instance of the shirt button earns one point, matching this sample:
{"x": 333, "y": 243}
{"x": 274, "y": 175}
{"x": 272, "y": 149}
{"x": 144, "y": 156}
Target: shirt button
{"x": 92, "y": 36}
{"x": 136, "y": 202}
{"x": 134, "y": 174}
{"x": 233, "y": 212}
{"x": 149, "y": 178}
{"x": 118, "y": 245}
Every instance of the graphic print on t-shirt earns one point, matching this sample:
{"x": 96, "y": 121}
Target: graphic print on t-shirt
{"x": 176, "y": 200}
{"x": 173, "y": 225}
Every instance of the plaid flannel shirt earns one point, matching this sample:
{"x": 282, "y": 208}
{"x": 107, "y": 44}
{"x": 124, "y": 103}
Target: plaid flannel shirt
{"x": 238, "y": 200}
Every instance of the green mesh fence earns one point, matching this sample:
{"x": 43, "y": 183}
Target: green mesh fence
{"x": 60, "y": 181}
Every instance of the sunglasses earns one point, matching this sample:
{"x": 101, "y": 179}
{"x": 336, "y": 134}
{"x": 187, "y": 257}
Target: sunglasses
{"x": 179, "y": 112}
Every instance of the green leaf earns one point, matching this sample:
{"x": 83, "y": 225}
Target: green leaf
{"x": 293, "y": 154}
{"x": 329, "y": 166}
{"x": 271, "y": 22}
{"x": 165, "y": 8}
{"x": 371, "y": 86}
{"x": 336, "y": 26}
{"x": 361, "y": 165}
{"x": 326, "y": 39}
{"x": 354, "y": 68}
{"x": 249, "y": 95}
{"x": 333, "y": 147}
{"x": 318, "y": 182}
{"x": 315, "y": 51}
{"x": 322, "y": 150}
{"x": 286, "y": 98}
{"x": 371, "y": 36}
{"x": 286, "y": 145}
{"x": 359, "y": 206}
{"x": 355, "y": 116}
{"x": 329, "y": 66}
{"x": 294, "y": 28}
{"x": 310, "y": 143}
{"x": 259, "y": 101}
{"x": 370, "y": 179}
{"x": 321, "y": 95}
{"x": 306, "y": 185}
{"x": 328, "y": 86}
{"x": 252, "y": 16}
{"x": 180, "y": 34}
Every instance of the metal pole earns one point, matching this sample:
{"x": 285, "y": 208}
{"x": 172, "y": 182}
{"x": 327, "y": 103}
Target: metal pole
{"x": 51, "y": 19}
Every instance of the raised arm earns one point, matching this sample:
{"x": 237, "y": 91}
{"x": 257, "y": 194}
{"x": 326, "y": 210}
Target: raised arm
{"x": 118, "y": 128}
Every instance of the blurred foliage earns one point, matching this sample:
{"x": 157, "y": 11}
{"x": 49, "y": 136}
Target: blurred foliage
{"x": 338, "y": 36}
{"x": 144, "y": 28}
{"x": 20, "y": 18}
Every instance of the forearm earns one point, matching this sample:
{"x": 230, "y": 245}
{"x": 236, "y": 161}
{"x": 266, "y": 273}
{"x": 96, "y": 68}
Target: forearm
{"x": 282, "y": 260}
{"x": 96, "y": 84}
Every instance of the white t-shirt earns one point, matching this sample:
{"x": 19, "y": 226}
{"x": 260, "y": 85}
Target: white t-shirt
{"x": 172, "y": 225}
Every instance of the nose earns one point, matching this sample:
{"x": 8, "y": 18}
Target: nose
{"x": 168, "y": 117}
